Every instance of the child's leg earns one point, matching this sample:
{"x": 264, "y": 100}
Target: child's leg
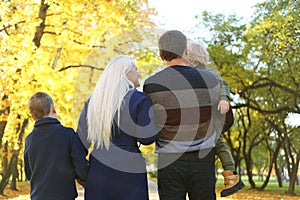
{"x": 224, "y": 154}
{"x": 232, "y": 181}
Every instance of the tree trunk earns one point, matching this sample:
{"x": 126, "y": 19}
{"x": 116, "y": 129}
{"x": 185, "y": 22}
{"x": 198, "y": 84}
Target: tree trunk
{"x": 272, "y": 161}
{"x": 20, "y": 178}
{"x": 235, "y": 151}
{"x": 14, "y": 158}
{"x": 2, "y": 128}
{"x": 248, "y": 162}
{"x": 293, "y": 177}
{"x": 8, "y": 172}
{"x": 4, "y": 112}
{"x": 278, "y": 175}
{"x": 40, "y": 29}
{"x": 13, "y": 183}
{"x": 247, "y": 157}
{"x": 292, "y": 162}
{"x": 260, "y": 175}
{"x": 5, "y": 157}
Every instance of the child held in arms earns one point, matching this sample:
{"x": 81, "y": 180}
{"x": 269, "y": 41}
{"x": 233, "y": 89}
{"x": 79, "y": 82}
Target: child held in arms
{"x": 198, "y": 57}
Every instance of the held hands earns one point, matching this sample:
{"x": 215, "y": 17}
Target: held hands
{"x": 223, "y": 106}
{"x": 81, "y": 183}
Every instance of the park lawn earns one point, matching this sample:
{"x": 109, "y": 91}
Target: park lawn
{"x": 272, "y": 191}
{"x": 23, "y": 188}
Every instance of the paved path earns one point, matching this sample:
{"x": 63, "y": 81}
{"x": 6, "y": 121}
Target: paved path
{"x": 152, "y": 191}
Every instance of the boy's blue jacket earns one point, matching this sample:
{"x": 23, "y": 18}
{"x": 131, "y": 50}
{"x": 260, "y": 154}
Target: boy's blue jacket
{"x": 53, "y": 157}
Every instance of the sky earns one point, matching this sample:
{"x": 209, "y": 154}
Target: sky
{"x": 180, "y": 14}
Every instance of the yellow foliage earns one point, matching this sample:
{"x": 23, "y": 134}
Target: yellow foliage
{"x": 71, "y": 32}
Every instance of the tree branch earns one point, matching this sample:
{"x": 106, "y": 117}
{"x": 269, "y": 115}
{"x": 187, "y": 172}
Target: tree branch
{"x": 279, "y": 110}
{"x": 77, "y": 66}
{"x": 261, "y": 83}
{"x": 59, "y": 48}
{"x": 49, "y": 32}
{"x": 78, "y": 33}
{"x": 7, "y": 27}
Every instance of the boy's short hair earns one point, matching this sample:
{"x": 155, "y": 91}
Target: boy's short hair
{"x": 172, "y": 44}
{"x": 40, "y": 104}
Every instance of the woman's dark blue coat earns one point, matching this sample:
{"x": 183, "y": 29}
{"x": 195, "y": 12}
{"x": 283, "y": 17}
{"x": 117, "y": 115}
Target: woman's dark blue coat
{"x": 119, "y": 173}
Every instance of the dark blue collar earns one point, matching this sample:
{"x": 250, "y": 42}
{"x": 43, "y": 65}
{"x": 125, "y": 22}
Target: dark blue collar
{"x": 46, "y": 120}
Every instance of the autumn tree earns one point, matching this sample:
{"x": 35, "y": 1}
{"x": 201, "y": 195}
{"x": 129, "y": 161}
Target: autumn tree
{"x": 44, "y": 44}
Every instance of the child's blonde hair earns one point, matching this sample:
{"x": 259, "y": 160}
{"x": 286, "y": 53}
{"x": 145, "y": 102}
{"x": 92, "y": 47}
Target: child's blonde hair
{"x": 197, "y": 54}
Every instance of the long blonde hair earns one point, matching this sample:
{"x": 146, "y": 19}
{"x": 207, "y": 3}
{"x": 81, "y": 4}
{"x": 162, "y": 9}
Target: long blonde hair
{"x": 106, "y": 100}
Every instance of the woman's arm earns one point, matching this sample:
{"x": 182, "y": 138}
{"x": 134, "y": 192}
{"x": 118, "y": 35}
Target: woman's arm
{"x": 146, "y": 131}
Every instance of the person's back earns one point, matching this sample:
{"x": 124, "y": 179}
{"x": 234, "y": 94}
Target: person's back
{"x": 54, "y": 156}
{"x": 116, "y": 117}
{"x": 186, "y": 103}
{"x": 186, "y": 96}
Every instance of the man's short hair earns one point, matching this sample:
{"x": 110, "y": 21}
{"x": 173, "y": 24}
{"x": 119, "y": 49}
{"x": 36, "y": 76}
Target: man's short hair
{"x": 40, "y": 104}
{"x": 172, "y": 44}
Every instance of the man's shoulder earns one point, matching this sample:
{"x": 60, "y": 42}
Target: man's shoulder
{"x": 207, "y": 72}
{"x": 157, "y": 74}
{"x": 208, "y": 76}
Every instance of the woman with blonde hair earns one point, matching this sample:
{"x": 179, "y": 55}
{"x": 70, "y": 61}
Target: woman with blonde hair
{"x": 116, "y": 118}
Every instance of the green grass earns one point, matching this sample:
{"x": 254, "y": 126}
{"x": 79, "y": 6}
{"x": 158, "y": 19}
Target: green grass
{"x": 272, "y": 186}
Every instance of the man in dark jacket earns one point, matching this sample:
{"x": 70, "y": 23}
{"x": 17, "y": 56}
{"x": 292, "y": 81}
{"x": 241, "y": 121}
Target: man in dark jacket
{"x": 54, "y": 155}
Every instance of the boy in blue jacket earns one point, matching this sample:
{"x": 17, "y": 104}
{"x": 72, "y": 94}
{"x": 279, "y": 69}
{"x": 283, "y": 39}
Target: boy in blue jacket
{"x": 54, "y": 155}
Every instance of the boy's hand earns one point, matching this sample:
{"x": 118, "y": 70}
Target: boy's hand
{"x": 223, "y": 106}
